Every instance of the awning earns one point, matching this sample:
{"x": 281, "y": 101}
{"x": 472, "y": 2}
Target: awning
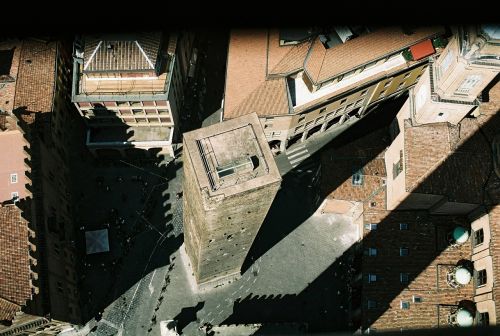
{"x": 422, "y": 49}
{"x": 97, "y": 241}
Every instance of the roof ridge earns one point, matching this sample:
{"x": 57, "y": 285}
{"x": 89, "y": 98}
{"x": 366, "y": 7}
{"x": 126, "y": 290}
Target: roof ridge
{"x": 321, "y": 67}
{"x": 144, "y": 54}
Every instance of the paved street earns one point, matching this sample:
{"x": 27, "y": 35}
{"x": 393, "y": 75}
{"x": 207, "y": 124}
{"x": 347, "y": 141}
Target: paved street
{"x": 149, "y": 288}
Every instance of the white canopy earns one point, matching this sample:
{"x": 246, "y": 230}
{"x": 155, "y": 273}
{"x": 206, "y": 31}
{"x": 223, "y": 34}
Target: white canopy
{"x": 97, "y": 241}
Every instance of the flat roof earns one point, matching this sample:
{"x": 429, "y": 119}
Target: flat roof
{"x": 232, "y": 156}
{"x": 130, "y": 133}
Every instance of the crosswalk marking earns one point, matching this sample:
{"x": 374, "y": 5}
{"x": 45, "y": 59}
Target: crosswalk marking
{"x": 298, "y": 153}
{"x": 298, "y": 147}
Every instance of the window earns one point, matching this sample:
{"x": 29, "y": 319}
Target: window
{"x": 387, "y": 84}
{"x": 468, "y": 83}
{"x": 478, "y": 237}
{"x": 371, "y": 278}
{"x": 357, "y": 177}
{"x": 322, "y": 110}
{"x": 407, "y": 75}
{"x": 343, "y": 101}
{"x": 405, "y": 305}
{"x": 371, "y": 227}
{"x": 483, "y": 319}
{"x": 301, "y": 118}
{"x": 404, "y": 278}
{"x": 382, "y": 94}
{"x": 397, "y": 167}
{"x": 372, "y": 304}
{"x": 268, "y": 125}
{"x": 14, "y": 195}
{"x": 403, "y": 226}
{"x": 371, "y": 251}
{"x": 401, "y": 85}
{"x": 13, "y": 178}
{"x": 363, "y": 93}
{"x": 276, "y": 133}
{"x": 481, "y": 278}
{"x": 417, "y": 299}
{"x": 403, "y": 251}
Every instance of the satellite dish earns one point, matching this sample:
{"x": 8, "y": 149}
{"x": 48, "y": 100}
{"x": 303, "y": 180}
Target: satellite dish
{"x": 462, "y": 275}
{"x": 460, "y": 235}
{"x": 464, "y": 318}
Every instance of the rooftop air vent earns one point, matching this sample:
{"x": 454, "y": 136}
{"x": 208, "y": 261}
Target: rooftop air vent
{"x": 240, "y": 165}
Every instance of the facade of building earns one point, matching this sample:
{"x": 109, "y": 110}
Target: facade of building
{"x": 304, "y": 85}
{"x": 36, "y": 130}
{"x": 230, "y": 180}
{"x": 439, "y": 162}
{"x": 129, "y": 89}
{"x": 428, "y": 198}
{"x": 432, "y": 123}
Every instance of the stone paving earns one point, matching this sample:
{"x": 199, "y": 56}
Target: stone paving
{"x": 287, "y": 269}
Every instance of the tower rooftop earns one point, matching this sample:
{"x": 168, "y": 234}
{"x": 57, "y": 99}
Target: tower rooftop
{"x": 232, "y": 156}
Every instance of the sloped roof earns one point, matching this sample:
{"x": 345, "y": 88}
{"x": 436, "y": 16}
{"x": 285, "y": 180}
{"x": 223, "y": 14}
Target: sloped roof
{"x": 36, "y": 76}
{"x": 323, "y": 64}
{"x": 15, "y": 285}
{"x": 121, "y": 52}
{"x": 292, "y": 61}
{"x": 269, "y": 98}
{"x": 255, "y": 56}
{"x": 8, "y": 310}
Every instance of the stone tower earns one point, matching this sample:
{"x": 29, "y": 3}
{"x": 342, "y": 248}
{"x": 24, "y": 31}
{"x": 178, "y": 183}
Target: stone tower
{"x": 230, "y": 181}
{"x": 449, "y": 87}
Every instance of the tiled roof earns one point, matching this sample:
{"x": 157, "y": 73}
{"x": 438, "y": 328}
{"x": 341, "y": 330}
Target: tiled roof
{"x": 8, "y": 310}
{"x": 127, "y": 52}
{"x": 246, "y": 67}
{"x": 269, "y": 98}
{"x": 8, "y": 83}
{"x": 292, "y": 61}
{"x": 323, "y": 64}
{"x": 442, "y": 159}
{"x": 15, "y": 283}
{"x": 36, "y": 77}
{"x": 256, "y": 56}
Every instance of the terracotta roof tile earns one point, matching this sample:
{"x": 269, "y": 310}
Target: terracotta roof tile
{"x": 127, "y": 52}
{"x": 15, "y": 283}
{"x": 293, "y": 60}
{"x": 315, "y": 59}
{"x": 270, "y": 98}
{"x": 8, "y": 310}
{"x": 246, "y": 67}
{"x": 36, "y": 77}
{"x": 275, "y": 52}
{"x": 325, "y": 64}
{"x": 442, "y": 159}
{"x": 8, "y": 83}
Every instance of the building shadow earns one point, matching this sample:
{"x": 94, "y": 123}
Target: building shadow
{"x": 301, "y": 194}
{"x": 338, "y": 299}
{"x": 187, "y": 315}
